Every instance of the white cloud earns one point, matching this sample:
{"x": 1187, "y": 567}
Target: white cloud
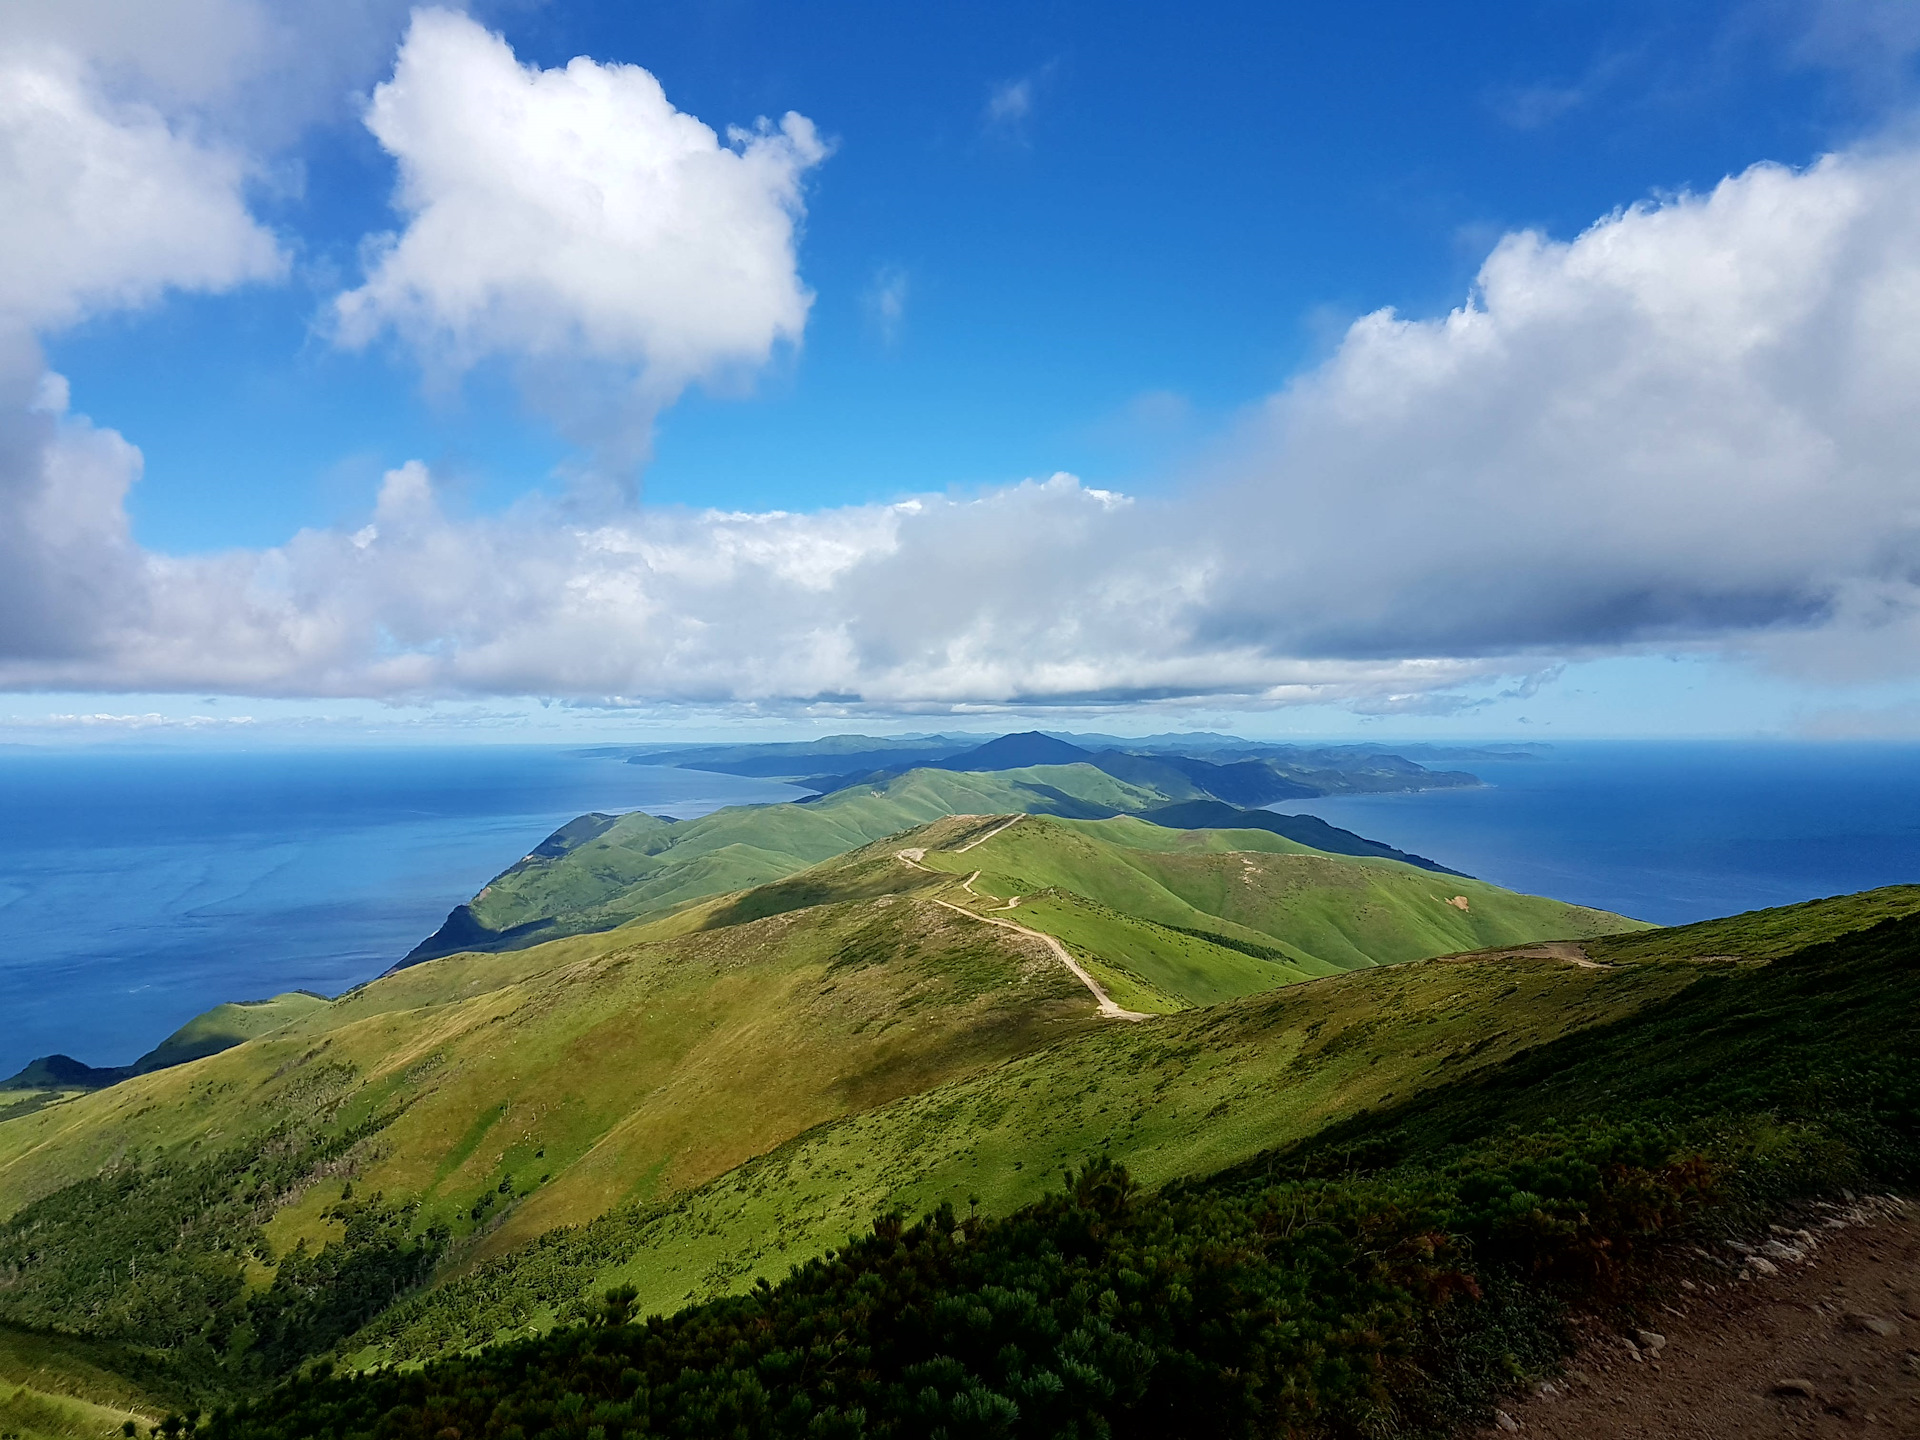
{"x": 104, "y": 206}
{"x": 573, "y": 220}
{"x": 1693, "y": 421}
{"x": 885, "y": 303}
{"x": 1690, "y": 428}
{"x": 1010, "y": 102}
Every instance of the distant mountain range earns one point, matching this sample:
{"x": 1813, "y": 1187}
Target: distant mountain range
{"x": 1220, "y": 767}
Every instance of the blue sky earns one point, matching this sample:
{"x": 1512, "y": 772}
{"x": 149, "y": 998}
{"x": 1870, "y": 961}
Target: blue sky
{"x": 1117, "y": 243}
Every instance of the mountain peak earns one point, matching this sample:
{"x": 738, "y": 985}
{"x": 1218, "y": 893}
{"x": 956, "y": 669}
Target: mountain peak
{"x": 1016, "y": 752}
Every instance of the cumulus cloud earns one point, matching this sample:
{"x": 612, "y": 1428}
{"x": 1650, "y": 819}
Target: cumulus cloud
{"x": 108, "y": 204}
{"x": 1692, "y": 422}
{"x": 1689, "y": 427}
{"x": 113, "y": 190}
{"x": 575, "y": 222}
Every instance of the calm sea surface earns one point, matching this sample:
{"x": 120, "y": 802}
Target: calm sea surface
{"x": 1667, "y": 832}
{"x": 137, "y": 890}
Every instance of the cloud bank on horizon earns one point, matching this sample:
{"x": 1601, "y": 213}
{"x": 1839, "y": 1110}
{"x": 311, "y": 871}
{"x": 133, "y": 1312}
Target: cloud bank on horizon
{"x": 1690, "y": 427}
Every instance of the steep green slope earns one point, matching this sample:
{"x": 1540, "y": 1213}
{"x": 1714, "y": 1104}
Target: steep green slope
{"x": 1395, "y": 1274}
{"x": 225, "y": 1026}
{"x": 58, "y": 1388}
{"x": 1186, "y": 1094}
{"x": 481, "y": 1101}
{"x": 484, "y": 1100}
{"x": 1764, "y": 934}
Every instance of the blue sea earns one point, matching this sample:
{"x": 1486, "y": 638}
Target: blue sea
{"x": 1665, "y": 832}
{"x": 139, "y": 889}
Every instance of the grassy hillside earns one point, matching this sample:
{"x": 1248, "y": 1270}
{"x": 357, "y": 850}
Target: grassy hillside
{"x": 56, "y": 1388}
{"x": 1394, "y": 1272}
{"x": 225, "y": 1026}
{"x": 1185, "y": 1095}
{"x": 600, "y": 871}
{"x": 643, "y": 865}
{"x": 53, "y": 1076}
{"x": 589, "y": 1071}
{"x": 1763, "y": 934}
{"x": 459, "y": 1110}
{"x": 1321, "y": 912}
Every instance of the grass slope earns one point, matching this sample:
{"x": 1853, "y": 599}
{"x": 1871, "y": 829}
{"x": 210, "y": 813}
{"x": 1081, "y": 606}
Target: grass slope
{"x": 1764, "y": 934}
{"x": 225, "y": 1026}
{"x": 642, "y": 865}
{"x": 540, "y": 1088}
{"x": 1132, "y": 893}
{"x": 1185, "y": 1095}
{"x": 1395, "y": 1274}
{"x": 484, "y": 1101}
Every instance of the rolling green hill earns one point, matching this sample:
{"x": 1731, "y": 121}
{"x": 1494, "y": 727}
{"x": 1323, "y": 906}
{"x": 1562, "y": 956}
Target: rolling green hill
{"x": 1394, "y": 1272}
{"x": 644, "y": 865}
{"x": 463, "y": 1111}
{"x": 599, "y": 871}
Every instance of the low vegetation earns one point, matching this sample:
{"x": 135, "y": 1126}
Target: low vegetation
{"x": 1344, "y": 1205}
{"x": 1392, "y": 1273}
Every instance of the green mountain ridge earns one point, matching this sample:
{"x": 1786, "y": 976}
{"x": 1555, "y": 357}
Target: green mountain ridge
{"x": 689, "y": 1103}
{"x": 598, "y": 872}
{"x": 1397, "y": 1270}
{"x": 464, "y": 1110}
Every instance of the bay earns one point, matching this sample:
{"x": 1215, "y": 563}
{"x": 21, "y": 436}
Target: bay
{"x": 138, "y": 889}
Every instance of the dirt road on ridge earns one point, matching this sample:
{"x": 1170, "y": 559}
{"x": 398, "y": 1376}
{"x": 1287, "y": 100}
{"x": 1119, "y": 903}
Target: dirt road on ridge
{"x": 1107, "y": 1007}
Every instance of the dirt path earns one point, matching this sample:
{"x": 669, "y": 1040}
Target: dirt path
{"x": 1107, "y": 1007}
{"x": 1105, "y": 1001}
{"x": 1827, "y": 1345}
{"x": 1565, "y": 951}
{"x": 982, "y": 839}
{"x": 967, "y": 885}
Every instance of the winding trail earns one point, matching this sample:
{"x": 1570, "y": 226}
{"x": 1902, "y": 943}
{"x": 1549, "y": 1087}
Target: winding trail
{"x": 1107, "y": 1007}
{"x": 1007, "y": 824}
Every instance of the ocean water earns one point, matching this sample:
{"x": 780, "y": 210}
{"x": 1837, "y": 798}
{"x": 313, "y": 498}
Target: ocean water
{"x": 1666, "y": 832}
{"x": 138, "y": 889}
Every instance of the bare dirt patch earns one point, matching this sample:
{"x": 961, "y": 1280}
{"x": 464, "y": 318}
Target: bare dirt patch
{"x": 1824, "y": 1345}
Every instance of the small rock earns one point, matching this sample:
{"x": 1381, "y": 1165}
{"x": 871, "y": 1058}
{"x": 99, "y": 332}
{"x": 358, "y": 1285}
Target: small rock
{"x": 1505, "y": 1421}
{"x": 1793, "y": 1385}
{"x": 1871, "y": 1324}
{"x": 1688, "y": 1285}
{"x": 1777, "y": 1250}
{"x": 1652, "y": 1339}
{"x": 1762, "y": 1266}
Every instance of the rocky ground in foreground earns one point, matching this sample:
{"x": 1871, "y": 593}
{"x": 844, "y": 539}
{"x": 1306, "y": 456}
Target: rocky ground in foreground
{"x": 1816, "y": 1333}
